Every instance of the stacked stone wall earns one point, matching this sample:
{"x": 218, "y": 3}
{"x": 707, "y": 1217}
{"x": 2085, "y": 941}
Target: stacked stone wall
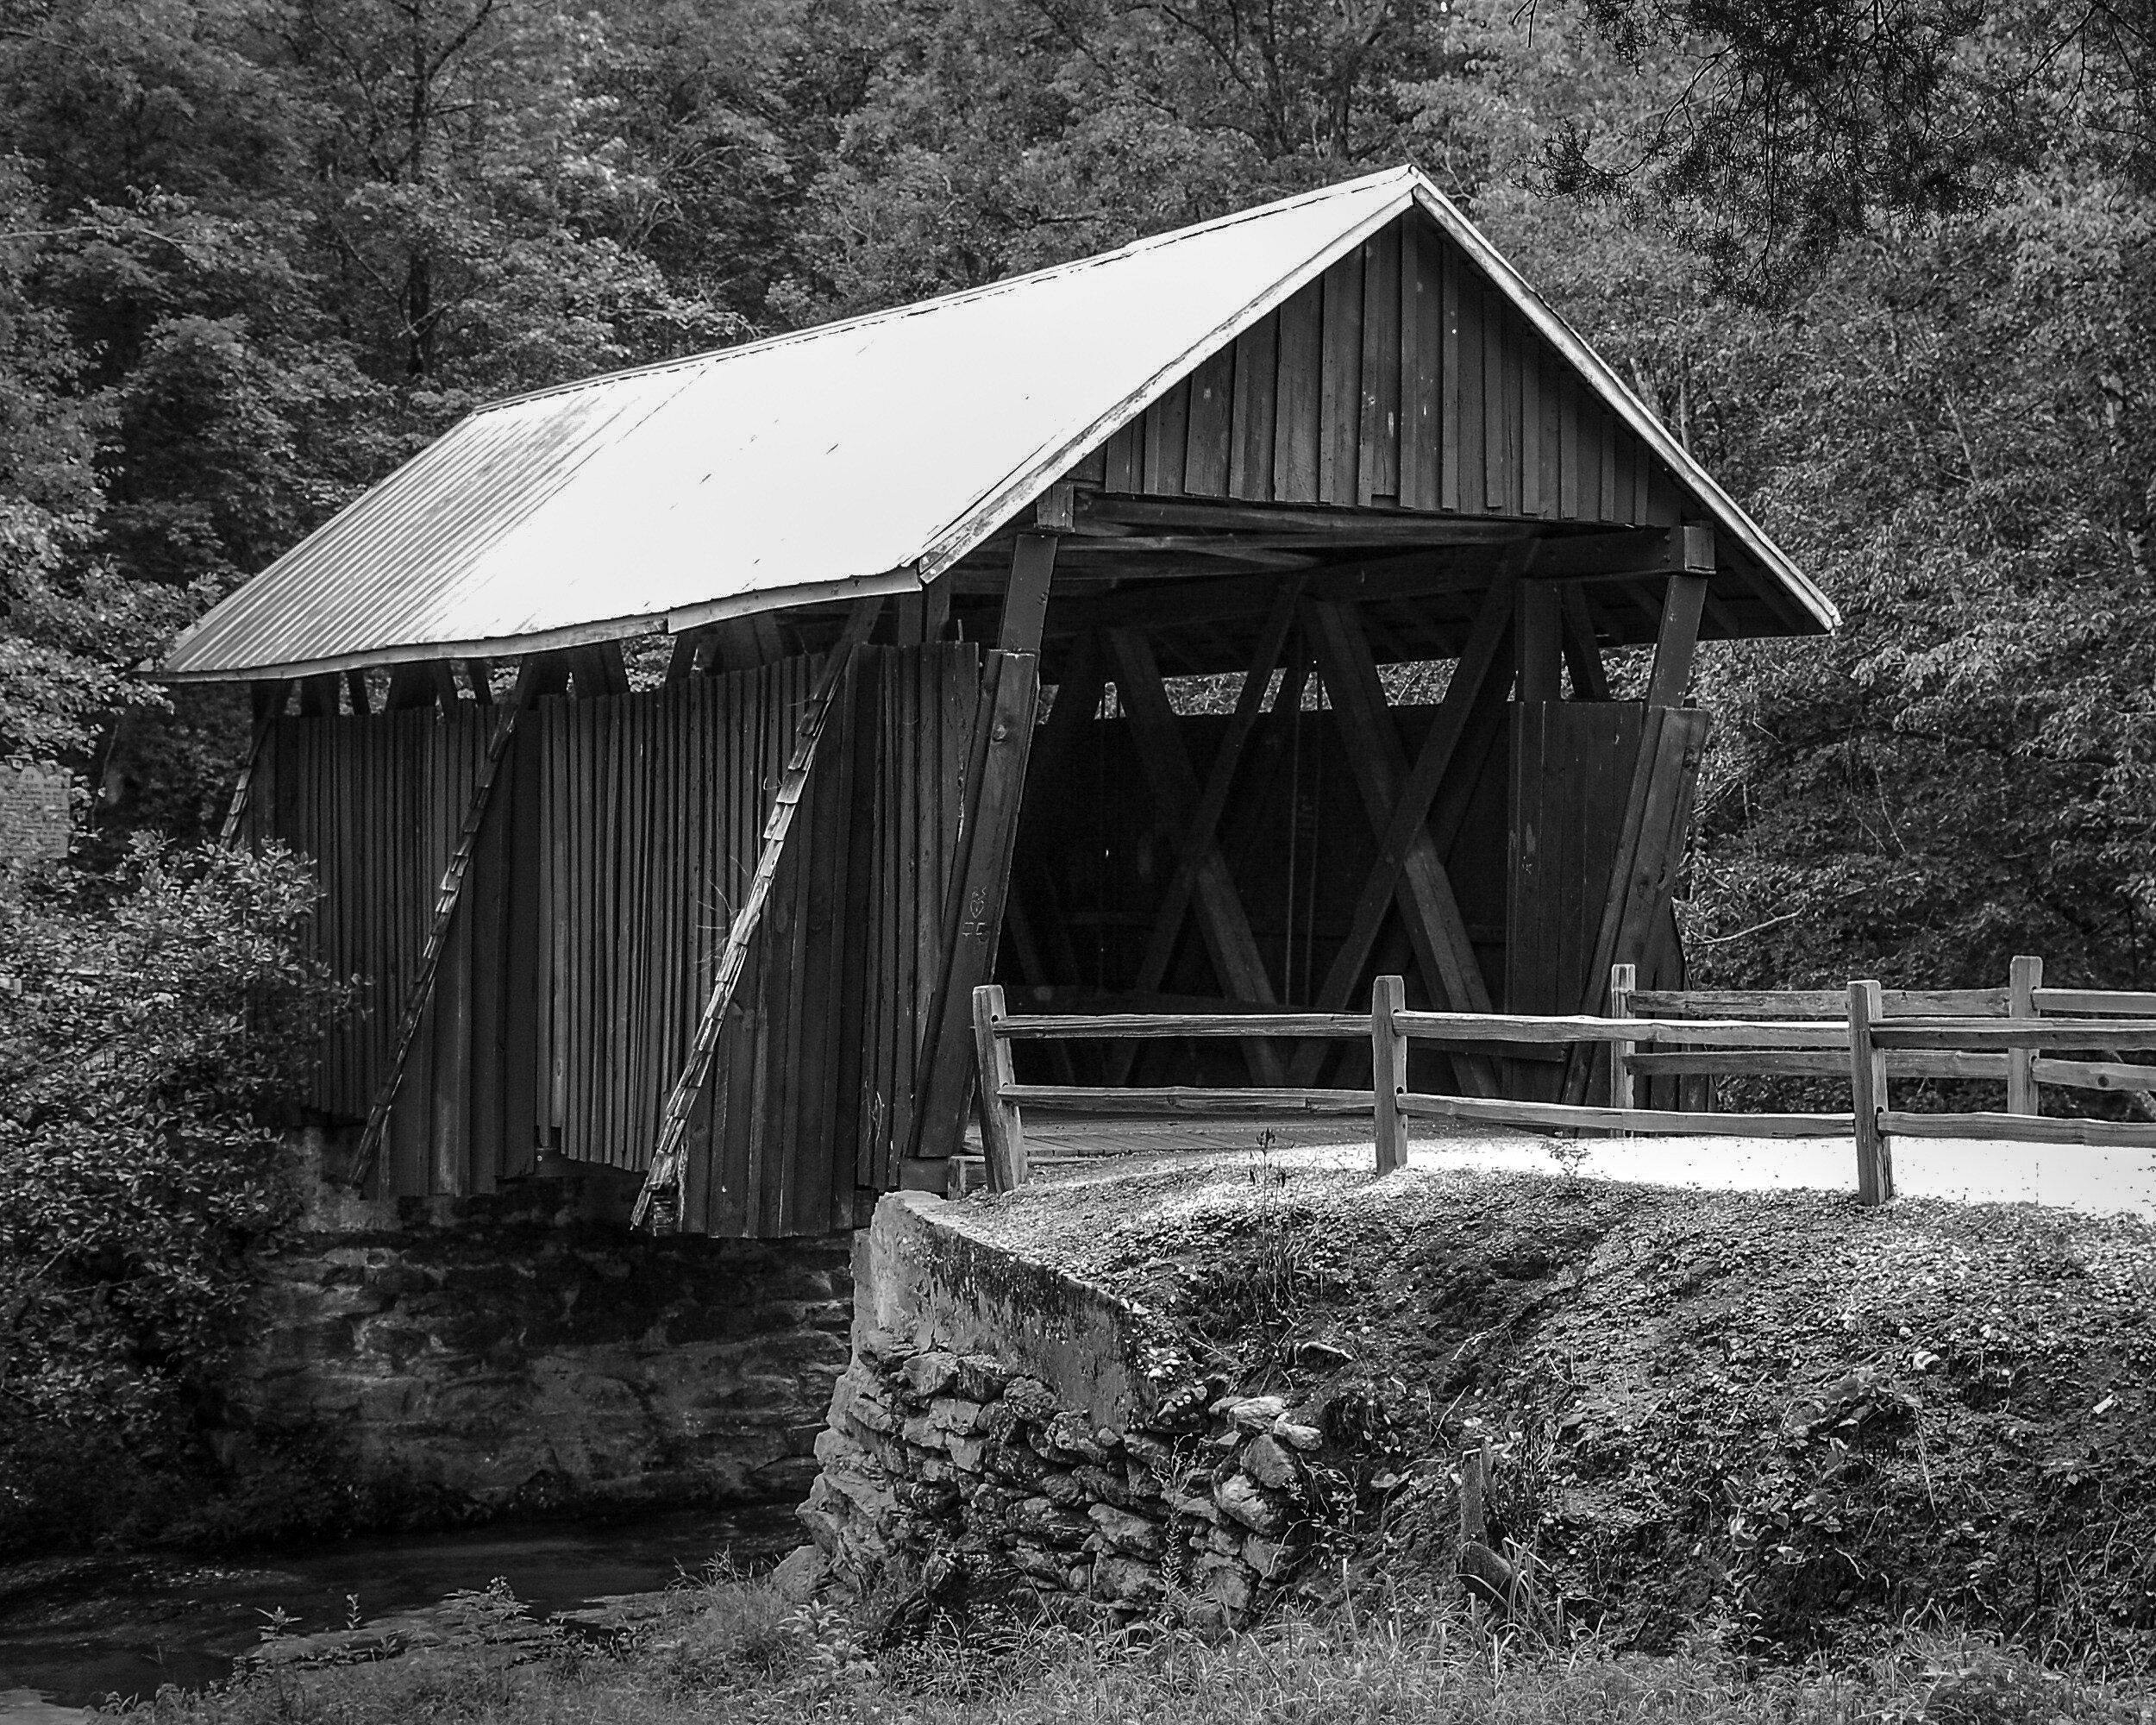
{"x": 443, "y": 1360}
{"x": 948, "y": 1460}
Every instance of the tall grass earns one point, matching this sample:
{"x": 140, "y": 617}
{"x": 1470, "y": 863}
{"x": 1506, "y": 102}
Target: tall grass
{"x": 735, "y": 1650}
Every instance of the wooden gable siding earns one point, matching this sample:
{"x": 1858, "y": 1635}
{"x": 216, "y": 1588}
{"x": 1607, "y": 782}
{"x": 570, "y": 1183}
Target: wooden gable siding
{"x": 621, "y": 832}
{"x": 1402, "y": 377}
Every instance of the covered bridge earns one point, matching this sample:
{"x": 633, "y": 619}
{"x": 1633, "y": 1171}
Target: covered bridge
{"x": 678, "y": 749}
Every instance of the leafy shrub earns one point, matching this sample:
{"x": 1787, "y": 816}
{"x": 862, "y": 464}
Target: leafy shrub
{"x": 152, "y": 1025}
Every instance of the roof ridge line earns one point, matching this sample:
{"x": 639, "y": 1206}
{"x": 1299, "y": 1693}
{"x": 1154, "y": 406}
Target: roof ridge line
{"x": 1025, "y": 482}
{"x": 713, "y": 356}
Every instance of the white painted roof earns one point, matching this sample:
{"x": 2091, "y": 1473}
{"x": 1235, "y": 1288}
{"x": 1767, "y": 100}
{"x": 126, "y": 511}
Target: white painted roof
{"x": 859, "y": 457}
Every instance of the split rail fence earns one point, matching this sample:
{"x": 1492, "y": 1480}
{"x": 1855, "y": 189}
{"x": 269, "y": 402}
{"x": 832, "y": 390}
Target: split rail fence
{"x": 1870, "y": 1035}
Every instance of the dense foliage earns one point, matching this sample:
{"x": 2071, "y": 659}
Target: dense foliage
{"x": 251, "y": 254}
{"x": 149, "y": 1029}
{"x": 1888, "y": 266}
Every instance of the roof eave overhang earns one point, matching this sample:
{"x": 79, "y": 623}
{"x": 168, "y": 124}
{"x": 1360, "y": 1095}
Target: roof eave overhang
{"x": 555, "y": 640}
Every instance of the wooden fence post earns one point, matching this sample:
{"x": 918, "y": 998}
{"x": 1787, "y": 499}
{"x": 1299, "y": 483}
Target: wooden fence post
{"x": 1388, "y": 1071}
{"x": 2024, "y": 978}
{"x": 1623, "y": 980}
{"x": 1002, "y": 1132}
{"x": 1868, "y": 1095}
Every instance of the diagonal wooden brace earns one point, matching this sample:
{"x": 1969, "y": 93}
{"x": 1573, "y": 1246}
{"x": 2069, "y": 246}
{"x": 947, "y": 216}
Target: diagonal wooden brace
{"x": 447, "y": 898}
{"x": 1221, "y": 918}
{"x": 1475, "y": 694}
{"x": 1199, "y": 838}
{"x": 270, "y": 702}
{"x": 667, "y": 1157}
{"x": 1424, "y": 891}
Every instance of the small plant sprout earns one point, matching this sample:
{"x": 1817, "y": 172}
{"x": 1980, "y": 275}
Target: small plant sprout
{"x": 1571, "y": 1154}
{"x": 277, "y": 1622}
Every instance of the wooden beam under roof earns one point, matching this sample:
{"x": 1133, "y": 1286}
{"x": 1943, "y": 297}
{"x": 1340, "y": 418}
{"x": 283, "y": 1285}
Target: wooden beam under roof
{"x": 1369, "y": 526}
{"x": 1204, "y": 605}
{"x": 1625, "y": 554}
{"x": 1416, "y": 576}
{"x": 1268, "y": 553}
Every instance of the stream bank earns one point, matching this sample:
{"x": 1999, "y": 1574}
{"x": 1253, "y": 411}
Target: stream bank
{"x": 423, "y": 1364}
{"x": 74, "y": 1630}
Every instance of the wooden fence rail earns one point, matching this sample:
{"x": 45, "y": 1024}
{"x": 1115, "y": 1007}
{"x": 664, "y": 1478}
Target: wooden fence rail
{"x": 1869, "y": 1035}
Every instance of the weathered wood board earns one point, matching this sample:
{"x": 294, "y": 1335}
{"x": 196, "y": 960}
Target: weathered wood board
{"x": 594, "y": 912}
{"x": 1402, "y": 376}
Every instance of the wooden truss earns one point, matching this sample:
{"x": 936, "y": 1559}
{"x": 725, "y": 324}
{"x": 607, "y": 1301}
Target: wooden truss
{"x": 979, "y": 881}
{"x": 1415, "y": 809}
{"x": 1543, "y": 608}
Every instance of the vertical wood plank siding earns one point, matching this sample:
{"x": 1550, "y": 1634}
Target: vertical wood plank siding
{"x": 623, "y": 829}
{"x": 1402, "y": 376}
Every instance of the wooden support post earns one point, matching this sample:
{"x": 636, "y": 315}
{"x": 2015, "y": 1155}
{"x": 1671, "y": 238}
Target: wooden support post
{"x": 2024, "y": 977}
{"x": 1056, "y": 508}
{"x": 318, "y": 697}
{"x": 981, "y": 875}
{"x": 598, "y": 669}
{"x": 1582, "y": 650}
{"x": 1868, "y": 1095}
{"x": 973, "y": 914}
{"x": 355, "y": 691}
{"x": 1623, "y": 979}
{"x": 412, "y": 686}
{"x": 921, "y": 617}
{"x": 1677, "y": 639}
{"x": 1025, "y": 599}
{"x": 1388, "y": 1071}
{"x": 549, "y": 674}
{"x": 1002, "y": 1130}
{"x": 1032, "y": 912}
{"x": 742, "y": 644}
{"x": 668, "y": 1172}
{"x": 682, "y": 662}
{"x": 1538, "y": 642}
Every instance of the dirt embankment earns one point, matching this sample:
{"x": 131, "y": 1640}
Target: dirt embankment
{"x": 1783, "y": 1418}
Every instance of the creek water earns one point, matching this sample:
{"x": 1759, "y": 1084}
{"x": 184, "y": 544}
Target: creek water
{"x": 71, "y": 1634}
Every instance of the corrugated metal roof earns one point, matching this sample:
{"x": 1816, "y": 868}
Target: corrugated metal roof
{"x": 859, "y": 457}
